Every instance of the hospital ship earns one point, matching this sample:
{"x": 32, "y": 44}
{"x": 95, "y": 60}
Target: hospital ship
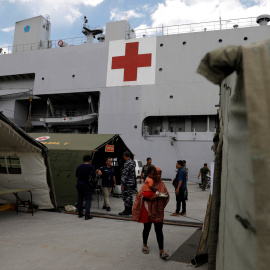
{"x": 141, "y": 84}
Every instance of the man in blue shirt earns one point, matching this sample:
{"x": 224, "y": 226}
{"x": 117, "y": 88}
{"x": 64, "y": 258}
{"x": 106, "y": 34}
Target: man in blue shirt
{"x": 84, "y": 172}
{"x": 180, "y": 187}
{"x": 108, "y": 181}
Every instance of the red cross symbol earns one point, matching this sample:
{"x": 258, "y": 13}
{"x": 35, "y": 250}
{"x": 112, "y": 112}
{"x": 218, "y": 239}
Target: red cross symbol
{"x": 131, "y": 61}
{"x": 42, "y": 138}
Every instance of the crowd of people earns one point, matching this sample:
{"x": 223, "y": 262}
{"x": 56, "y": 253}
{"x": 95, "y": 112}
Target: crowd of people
{"x": 150, "y": 201}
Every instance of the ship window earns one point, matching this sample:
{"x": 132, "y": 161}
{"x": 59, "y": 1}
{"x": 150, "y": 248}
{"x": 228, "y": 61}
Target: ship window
{"x": 245, "y": 38}
{"x": 161, "y": 45}
{"x": 176, "y": 123}
{"x": 198, "y": 123}
{"x": 220, "y": 40}
{"x": 10, "y": 165}
{"x": 212, "y": 123}
{"x": 73, "y": 76}
{"x": 42, "y": 78}
{"x": 160, "y": 69}
{"x": 171, "y": 96}
{"x": 135, "y": 126}
{"x": 184, "y": 43}
{"x": 155, "y": 125}
{"x": 136, "y": 98}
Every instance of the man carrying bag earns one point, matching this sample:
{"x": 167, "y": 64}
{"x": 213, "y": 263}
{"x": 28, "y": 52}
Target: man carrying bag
{"x": 86, "y": 175}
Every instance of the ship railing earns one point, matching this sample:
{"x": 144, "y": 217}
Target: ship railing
{"x": 146, "y": 32}
{"x": 197, "y": 27}
{"x": 43, "y": 45}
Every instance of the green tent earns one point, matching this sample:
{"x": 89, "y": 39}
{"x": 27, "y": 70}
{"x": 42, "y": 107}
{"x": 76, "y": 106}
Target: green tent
{"x": 66, "y": 152}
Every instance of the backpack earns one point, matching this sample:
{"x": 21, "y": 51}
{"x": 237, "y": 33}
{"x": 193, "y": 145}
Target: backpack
{"x": 92, "y": 181}
{"x": 174, "y": 182}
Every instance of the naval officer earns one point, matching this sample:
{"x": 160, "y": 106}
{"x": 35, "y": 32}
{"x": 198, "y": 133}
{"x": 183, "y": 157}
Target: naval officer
{"x": 128, "y": 183}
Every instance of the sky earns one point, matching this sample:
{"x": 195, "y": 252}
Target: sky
{"x": 66, "y": 16}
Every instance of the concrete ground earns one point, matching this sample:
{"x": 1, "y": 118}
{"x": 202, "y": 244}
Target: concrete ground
{"x": 50, "y": 240}
{"x": 196, "y": 204}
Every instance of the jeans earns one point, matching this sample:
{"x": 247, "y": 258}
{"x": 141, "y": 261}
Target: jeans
{"x": 87, "y": 196}
{"x": 180, "y": 199}
{"x": 158, "y": 230}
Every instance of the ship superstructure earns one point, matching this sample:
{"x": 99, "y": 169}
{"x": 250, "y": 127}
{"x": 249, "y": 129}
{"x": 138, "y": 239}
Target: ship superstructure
{"x": 144, "y": 88}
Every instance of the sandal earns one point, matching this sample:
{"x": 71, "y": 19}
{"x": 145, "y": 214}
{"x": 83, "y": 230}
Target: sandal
{"x": 145, "y": 250}
{"x": 164, "y": 255}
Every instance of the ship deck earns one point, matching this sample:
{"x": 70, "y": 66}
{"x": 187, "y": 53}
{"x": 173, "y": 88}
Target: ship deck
{"x": 51, "y": 240}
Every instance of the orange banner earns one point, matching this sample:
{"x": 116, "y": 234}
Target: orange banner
{"x": 109, "y": 148}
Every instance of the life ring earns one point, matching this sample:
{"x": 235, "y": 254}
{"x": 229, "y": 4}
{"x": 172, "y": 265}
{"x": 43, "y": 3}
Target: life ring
{"x": 60, "y": 43}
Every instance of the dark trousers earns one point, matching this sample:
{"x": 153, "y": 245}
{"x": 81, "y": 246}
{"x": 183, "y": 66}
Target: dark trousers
{"x": 158, "y": 230}
{"x": 180, "y": 199}
{"x": 204, "y": 182}
{"x": 127, "y": 196}
{"x": 87, "y": 196}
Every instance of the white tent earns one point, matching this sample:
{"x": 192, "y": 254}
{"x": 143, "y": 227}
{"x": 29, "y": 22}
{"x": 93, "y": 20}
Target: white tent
{"x": 239, "y": 235}
{"x": 23, "y": 167}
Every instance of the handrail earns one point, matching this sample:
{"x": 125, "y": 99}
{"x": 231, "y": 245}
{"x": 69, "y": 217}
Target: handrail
{"x": 197, "y": 27}
{"x": 48, "y": 44}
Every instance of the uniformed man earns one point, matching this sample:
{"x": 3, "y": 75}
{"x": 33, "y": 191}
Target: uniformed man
{"x": 203, "y": 172}
{"x": 127, "y": 183}
{"x": 186, "y": 168}
{"x": 145, "y": 169}
{"x": 108, "y": 181}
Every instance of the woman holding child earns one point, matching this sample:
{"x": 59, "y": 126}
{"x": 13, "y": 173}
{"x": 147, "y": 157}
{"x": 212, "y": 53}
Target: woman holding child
{"x": 149, "y": 208}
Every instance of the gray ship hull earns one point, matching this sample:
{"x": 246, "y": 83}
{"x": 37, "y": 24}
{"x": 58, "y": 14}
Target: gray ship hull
{"x": 167, "y": 113}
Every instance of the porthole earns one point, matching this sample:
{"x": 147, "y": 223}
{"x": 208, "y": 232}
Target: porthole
{"x": 245, "y": 38}
{"x": 161, "y": 45}
{"x": 171, "y": 96}
{"x": 42, "y": 78}
{"x": 160, "y": 69}
{"x": 184, "y": 43}
{"x": 137, "y": 98}
{"x": 135, "y": 126}
{"x": 73, "y": 76}
{"x": 220, "y": 40}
